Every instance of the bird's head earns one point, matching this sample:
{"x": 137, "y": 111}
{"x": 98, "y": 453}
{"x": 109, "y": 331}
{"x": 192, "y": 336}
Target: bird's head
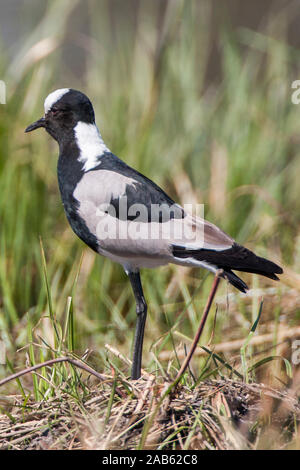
{"x": 64, "y": 108}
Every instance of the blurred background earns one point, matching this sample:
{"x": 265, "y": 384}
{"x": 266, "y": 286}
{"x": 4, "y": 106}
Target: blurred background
{"x": 196, "y": 94}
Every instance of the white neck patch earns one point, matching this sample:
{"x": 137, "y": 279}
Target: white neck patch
{"x": 90, "y": 144}
{"x": 53, "y": 97}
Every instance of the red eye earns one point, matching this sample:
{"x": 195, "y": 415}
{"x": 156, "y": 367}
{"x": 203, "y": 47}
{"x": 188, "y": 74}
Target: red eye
{"x": 54, "y": 111}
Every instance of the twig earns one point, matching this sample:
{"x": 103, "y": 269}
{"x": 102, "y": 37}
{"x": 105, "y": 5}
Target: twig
{"x": 145, "y": 393}
{"x": 284, "y": 334}
{"x": 119, "y": 355}
{"x": 50, "y": 363}
{"x": 176, "y": 429}
{"x": 202, "y": 323}
{"x": 124, "y": 359}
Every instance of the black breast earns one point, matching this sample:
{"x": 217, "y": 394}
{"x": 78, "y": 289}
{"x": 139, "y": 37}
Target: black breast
{"x": 69, "y": 173}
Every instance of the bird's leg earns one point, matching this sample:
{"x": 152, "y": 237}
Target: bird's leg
{"x": 141, "y": 312}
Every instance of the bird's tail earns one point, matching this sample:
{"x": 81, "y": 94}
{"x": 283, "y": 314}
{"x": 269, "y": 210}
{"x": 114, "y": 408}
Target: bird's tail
{"x": 236, "y": 258}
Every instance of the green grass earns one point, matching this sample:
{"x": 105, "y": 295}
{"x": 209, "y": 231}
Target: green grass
{"x": 158, "y": 110}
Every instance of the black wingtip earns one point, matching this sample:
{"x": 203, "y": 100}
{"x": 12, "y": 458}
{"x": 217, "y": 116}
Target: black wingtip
{"x": 272, "y": 267}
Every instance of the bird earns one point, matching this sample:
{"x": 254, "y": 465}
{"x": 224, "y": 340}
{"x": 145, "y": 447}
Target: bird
{"x": 123, "y": 215}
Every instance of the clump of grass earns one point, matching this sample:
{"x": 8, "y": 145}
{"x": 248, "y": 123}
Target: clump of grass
{"x": 218, "y": 414}
{"x": 230, "y": 143}
{"x": 160, "y": 411}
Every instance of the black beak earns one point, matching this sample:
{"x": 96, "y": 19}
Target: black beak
{"x": 36, "y": 125}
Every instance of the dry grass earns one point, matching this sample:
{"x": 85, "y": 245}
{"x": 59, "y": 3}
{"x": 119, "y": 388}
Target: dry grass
{"x": 232, "y": 144}
{"x": 217, "y": 414}
{"x": 88, "y": 410}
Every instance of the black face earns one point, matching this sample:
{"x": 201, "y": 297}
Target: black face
{"x": 64, "y": 114}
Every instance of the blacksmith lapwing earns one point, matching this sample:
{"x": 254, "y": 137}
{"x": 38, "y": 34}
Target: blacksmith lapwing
{"x": 123, "y": 215}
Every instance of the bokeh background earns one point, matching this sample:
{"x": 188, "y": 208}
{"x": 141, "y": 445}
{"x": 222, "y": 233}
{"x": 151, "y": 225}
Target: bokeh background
{"x": 196, "y": 94}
